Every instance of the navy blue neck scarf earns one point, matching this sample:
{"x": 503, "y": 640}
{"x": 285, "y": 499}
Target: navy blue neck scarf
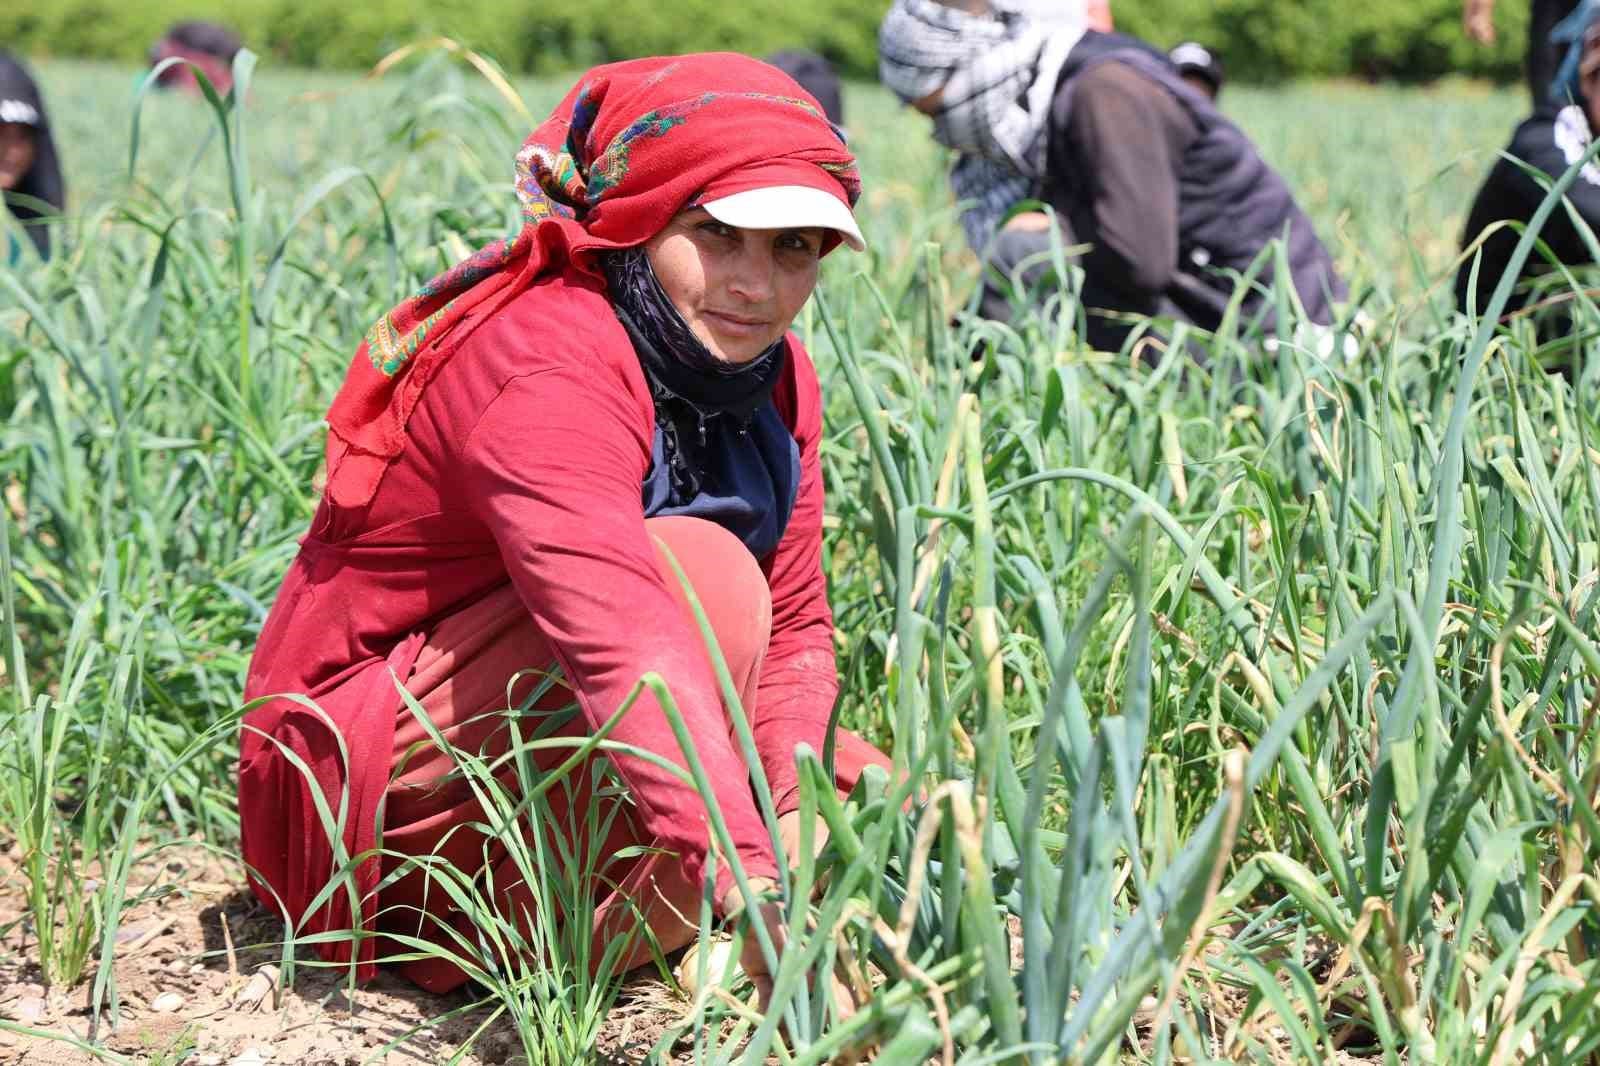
{"x": 720, "y": 450}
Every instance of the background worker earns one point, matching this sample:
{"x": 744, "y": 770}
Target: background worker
{"x": 1172, "y": 198}
{"x": 208, "y": 46}
{"x": 1550, "y": 140}
{"x": 1199, "y": 66}
{"x": 816, "y": 76}
{"x": 30, "y": 173}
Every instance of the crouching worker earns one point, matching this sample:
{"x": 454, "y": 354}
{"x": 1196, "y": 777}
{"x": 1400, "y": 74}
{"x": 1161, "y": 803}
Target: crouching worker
{"x": 205, "y": 46}
{"x": 1173, "y": 200}
{"x": 513, "y": 453}
{"x": 30, "y": 173}
{"x": 1548, "y": 142}
{"x": 816, "y": 76}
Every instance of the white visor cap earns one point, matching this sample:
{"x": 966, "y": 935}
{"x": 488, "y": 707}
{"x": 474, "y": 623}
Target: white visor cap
{"x": 787, "y": 207}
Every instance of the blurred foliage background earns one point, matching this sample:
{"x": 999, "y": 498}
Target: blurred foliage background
{"x": 1259, "y": 40}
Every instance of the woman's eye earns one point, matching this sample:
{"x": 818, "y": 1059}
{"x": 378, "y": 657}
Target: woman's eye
{"x": 800, "y": 242}
{"x": 715, "y": 228}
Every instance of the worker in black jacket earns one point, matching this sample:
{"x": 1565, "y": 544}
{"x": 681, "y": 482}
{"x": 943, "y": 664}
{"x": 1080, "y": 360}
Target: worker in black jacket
{"x": 1172, "y": 199}
{"x": 1549, "y": 142}
{"x": 30, "y": 174}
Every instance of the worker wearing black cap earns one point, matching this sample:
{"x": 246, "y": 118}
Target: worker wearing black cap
{"x": 1199, "y": 66}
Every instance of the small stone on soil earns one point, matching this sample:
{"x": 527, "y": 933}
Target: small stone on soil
{"x": 166, "y": 1003}
{"x": 29, "y": 1010}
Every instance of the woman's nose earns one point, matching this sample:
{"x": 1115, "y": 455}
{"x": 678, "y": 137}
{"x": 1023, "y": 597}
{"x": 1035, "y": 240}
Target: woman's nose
{"x": 752, "y": 274}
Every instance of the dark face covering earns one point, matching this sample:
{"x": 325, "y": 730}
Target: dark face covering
{"x": 41, "y": 191}
{"x": 720, "y": 451}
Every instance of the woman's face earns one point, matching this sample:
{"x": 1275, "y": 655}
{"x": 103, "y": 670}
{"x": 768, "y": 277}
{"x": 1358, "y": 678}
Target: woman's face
{"x": 16, "y": 153}
{"x": 738, "y": 289}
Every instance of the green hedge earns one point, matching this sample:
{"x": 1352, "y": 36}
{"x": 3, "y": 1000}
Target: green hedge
{"x": 1265, "y": 40}
{"x": 532, "y": 37}
{"x": 1259, "y": 40}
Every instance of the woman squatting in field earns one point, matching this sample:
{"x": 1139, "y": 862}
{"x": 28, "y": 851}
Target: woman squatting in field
{"x": 510, "y": 454}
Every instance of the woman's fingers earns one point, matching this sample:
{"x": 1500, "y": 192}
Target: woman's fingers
{"x": 753, "y": 961}
{"x": 789, "y": 834}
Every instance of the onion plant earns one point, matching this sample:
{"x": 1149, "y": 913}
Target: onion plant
{"x": 1242, "y": 687}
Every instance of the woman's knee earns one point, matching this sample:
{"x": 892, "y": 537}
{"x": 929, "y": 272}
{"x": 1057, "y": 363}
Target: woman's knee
{"x": 726, "y": 579}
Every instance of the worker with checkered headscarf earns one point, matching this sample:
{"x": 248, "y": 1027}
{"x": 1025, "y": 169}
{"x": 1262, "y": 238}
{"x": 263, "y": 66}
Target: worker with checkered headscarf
{"x": 1172, "y": 198}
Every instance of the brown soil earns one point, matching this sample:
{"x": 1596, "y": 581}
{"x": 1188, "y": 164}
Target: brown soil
{"x": 192, "y": 993}
{"x": 185, "y": 996}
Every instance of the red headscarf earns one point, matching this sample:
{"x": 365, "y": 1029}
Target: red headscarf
{"x": 631, "y": 145}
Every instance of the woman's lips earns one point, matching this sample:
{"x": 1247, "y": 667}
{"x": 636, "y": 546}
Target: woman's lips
{"x": 737, "y": 325}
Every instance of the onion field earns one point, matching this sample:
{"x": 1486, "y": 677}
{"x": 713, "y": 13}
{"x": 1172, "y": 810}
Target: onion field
{"x": 1246, "y": 703}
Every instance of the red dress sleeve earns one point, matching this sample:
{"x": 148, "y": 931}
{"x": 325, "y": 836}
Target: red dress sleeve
{"x": 553, "y": 468}
{"x": 799, "y": 679}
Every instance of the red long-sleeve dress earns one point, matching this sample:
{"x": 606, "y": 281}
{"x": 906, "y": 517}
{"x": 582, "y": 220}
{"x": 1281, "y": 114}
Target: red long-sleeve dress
{"x": 524, "y": 461}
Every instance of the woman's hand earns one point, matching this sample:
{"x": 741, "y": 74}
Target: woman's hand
{"x": 789, "y": 834}
{"x": 769, "y": 912}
